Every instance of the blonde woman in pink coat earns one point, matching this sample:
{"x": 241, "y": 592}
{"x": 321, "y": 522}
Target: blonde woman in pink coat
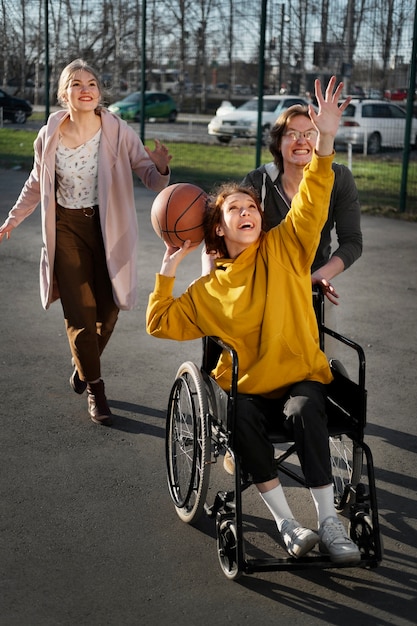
{"x": 82, "y": 178}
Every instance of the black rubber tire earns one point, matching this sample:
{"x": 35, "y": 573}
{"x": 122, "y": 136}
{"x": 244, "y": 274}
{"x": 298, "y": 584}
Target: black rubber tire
{"x": 374, "y": 143}
{"x": 227, "y": 549}
{"x": 19, "y": 117}
{"x": 187, "y": 443}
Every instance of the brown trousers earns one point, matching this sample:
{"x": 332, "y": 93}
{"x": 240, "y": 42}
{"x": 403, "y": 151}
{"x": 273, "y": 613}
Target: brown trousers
{"x": 85, "y": 288}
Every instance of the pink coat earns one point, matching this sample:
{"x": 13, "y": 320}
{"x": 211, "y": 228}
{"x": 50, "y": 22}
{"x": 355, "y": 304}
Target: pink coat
{"x": 120, "y": 152}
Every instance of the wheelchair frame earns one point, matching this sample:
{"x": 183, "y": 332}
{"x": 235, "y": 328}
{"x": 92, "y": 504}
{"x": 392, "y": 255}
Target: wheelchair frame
{"x": 200, "y": 426}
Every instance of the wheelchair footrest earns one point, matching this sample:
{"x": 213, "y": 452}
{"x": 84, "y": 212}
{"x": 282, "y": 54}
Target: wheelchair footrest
{"x": 321, "y": 561}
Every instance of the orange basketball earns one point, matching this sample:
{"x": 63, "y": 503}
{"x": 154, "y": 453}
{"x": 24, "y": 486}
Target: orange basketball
{"x": 177, "y": 214}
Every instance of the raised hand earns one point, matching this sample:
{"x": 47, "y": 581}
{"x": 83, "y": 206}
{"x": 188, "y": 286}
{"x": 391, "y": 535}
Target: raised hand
{"x": 173, "y": 257}
{"x": 160, "y": 156}
{"x": 327, "y": 119}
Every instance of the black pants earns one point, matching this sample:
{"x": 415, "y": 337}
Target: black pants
{"x": 302, "y": 412}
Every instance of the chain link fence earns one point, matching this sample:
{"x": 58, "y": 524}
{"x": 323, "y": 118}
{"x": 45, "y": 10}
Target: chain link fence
{"x": 206, "y": 51}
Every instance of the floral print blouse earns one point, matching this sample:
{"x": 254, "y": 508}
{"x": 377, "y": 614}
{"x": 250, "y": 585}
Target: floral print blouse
{"x": 76, "y": 174}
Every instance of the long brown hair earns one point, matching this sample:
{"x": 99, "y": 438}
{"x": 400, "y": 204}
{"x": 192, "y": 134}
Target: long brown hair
{"x": 212, "y": 218}
{"x": 279, "y": 128}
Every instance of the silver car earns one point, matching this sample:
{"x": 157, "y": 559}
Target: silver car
{"x": 374, "y": 124}
{"x": 243, "y": 121}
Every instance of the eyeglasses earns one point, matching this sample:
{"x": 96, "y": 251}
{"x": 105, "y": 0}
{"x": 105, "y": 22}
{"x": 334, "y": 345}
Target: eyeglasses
{"x": 295, "y": 135}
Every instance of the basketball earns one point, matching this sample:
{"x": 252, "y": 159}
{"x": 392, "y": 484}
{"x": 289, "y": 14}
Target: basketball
{"x": 177, "y": 214}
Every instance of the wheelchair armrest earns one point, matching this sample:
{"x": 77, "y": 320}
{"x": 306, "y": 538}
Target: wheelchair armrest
{"x": 212, "y": 349}
{"x": 351, "y": 344}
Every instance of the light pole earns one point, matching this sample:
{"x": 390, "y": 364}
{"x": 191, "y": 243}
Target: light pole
{"x": 143, "y": 73}
{"x": 46, "y": 61}
{"x": 261, "y": 77}
{"x": 407, "y": 132}
{"x": 281, "y": 42}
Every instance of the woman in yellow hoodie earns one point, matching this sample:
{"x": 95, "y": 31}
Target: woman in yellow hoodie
{"x": 258, "y": 299}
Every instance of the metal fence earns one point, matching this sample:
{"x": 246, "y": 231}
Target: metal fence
{"x": 206, "y": 51}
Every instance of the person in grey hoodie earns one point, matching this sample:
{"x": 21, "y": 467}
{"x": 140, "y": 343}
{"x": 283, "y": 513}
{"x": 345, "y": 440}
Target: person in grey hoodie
{"x": 82, "y": 179}
{"x": 293, "y": 138}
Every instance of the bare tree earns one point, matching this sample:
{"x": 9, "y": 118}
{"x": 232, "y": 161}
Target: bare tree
{"x": 302, "y": 11}
{"x": 386, "y": 26}
{"x": 56, "y": 15}
{"x": 180, "y": 9}
{"x": 401, "y": 18}
{"x": 204, "y": 38}
{"x": 5, "y": 43}
{"x": 203, "y": 9}
{"x": 38, "y": 55}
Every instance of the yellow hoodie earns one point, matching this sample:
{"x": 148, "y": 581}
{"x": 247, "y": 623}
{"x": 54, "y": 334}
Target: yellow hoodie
{"x": 260, "y": 303}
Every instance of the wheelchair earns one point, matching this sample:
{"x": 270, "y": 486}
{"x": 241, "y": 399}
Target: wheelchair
{"x": 199, "y": 430}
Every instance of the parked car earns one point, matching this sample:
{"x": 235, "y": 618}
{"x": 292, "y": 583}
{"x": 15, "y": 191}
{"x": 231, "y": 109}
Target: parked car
{"x": 374, "y": 94}
{"x": 357, "y": 91}
{"x": 398, "y": 95}
{"x": 375, "y": 123}
{"x": 14, "y": 109}
{"x": 243, "y": 90}
{"x": 225, "y": 107}
{"x": 157, "y": 105}
{"x": 243, "y": 121}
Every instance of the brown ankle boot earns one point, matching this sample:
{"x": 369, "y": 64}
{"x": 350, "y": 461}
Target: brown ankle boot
{"x": 98, "y": 408}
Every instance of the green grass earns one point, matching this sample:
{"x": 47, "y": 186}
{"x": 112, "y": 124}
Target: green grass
{"x": 37, "y": 116}
{"x": 16, "y": 148}
{"x": 209, "y": 165}
{"x": 378, "y": 178}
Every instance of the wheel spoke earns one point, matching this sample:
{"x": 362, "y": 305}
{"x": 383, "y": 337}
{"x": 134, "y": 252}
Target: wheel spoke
{"x": 346, "y": 462}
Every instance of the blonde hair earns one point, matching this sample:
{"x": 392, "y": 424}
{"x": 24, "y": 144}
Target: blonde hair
{"x": 67, "y": 75}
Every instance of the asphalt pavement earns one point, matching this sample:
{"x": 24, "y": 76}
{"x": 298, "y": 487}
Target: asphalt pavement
{"x": 89, "y": 536}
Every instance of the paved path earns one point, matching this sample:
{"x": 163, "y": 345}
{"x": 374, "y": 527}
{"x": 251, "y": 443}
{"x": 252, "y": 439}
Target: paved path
{"x": 88, "y": 533}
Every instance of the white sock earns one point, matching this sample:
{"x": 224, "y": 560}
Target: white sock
{"x": 323, "y": 499}
{"x": 277, "y": 503}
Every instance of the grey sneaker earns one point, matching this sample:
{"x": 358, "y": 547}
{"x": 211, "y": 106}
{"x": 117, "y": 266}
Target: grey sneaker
{"x": 297, "y": 540}
{"x": 335, "y": 542}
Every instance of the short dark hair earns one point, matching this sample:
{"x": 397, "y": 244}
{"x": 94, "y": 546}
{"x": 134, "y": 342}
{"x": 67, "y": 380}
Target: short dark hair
{"x": 279, "y": 129}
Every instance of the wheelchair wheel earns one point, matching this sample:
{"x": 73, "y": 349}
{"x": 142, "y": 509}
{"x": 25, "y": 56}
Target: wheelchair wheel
{"x": 227, "y": 549}
{"x": 187, "y": 443}
{"x": 346, "y": 459}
